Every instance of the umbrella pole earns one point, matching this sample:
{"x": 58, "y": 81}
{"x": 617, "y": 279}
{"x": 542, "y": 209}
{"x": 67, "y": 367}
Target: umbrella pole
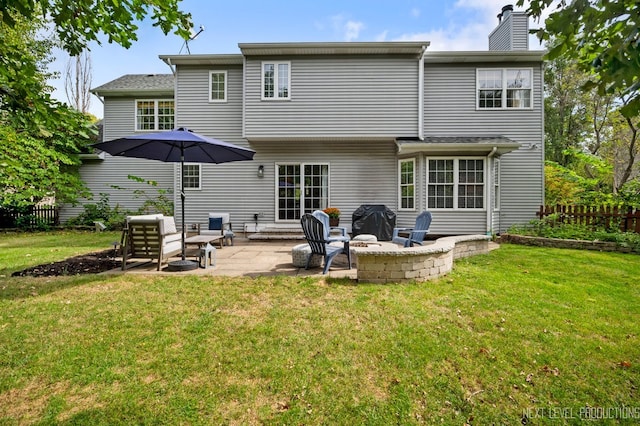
{"x": 184, "y": 264}
{"x": 182, "y": 198}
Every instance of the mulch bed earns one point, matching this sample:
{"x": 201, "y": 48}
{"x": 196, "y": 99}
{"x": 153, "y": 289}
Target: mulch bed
{"x": 90, "y": 263}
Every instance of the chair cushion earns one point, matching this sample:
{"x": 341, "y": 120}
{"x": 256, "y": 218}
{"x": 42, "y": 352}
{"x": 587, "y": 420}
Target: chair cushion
{"x": 168, "y": 225}
{"x": 224, "y": 216}
{"x": 215, "y": 223}
{"x": 144, "y": 218}
{"x": 172, "y": 237}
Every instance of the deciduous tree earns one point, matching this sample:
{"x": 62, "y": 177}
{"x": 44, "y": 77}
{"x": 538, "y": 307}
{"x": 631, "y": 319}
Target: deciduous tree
{"x": 602, "y": 36}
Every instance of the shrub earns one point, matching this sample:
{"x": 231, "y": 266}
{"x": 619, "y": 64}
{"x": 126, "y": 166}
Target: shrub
{"x": 550, "y": 227}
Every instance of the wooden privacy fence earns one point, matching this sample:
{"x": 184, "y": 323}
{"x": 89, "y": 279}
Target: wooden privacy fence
{"x": 627, "y": 219}
{"x": 29, "y": 217}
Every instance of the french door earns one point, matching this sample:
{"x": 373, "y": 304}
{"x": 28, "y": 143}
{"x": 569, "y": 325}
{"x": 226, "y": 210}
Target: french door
{"x": 302, "y": 188}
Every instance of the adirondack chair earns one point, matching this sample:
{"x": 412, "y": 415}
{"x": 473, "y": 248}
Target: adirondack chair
{"x": 416, "y": 234}
{"x": 324, "y": 218}
{"x": 152, "y": 237}
{"x": 314, "y": 232}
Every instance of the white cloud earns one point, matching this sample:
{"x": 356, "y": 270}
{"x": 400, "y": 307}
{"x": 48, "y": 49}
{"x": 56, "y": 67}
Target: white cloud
{"x": 348, "y": 30}
{"x": 415, "y": 12}
{"x": 469, "y": 24}
{"x": 352, "y": 30}
{"x": 467, "y": 38}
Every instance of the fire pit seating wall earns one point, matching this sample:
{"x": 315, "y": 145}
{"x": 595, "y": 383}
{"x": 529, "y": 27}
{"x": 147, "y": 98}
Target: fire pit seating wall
{"x": 394, "y": 264}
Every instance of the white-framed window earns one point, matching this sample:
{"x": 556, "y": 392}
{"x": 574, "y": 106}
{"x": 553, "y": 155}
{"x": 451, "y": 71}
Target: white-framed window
{"x": 496, "y": 184}
{"x": 407, "y": 180}
{"x": 155, "y": 114}
{"x": 301, "y": 188}
{"x": 455, "y": 183}
{"x": 217, "y": 86}
{"x": 192, "y": 176}
{"x": 276, "y": 80}
{"x": 507, "y": 88}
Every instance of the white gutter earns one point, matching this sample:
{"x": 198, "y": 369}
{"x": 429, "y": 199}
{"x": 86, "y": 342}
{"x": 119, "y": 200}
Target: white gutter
{"x": 490, "y": 181}
{"x": 421, "y": 94}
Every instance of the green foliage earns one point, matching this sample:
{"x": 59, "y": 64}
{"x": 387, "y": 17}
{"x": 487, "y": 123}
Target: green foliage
{"x": 40, "y": 138}
{"x": 32, "y": 223}
{"x": 32, "y": 168}
{"x": 78, "y": 22}
{"x": 630, "y": 193}
{"x": 552, "y": 227}
{"x": 565, "y": 106}
{"x": 564, "y": 185}
{"x": 156, "y": 203}
{"x": 603, "y": 37}
{"x": 112, "y": 218}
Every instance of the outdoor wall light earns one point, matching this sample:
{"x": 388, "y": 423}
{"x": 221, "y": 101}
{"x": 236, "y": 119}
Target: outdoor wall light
{"x": 260, "y": 171}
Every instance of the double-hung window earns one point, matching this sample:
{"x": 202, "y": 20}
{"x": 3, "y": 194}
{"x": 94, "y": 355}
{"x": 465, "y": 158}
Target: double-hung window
{"x": 407, "y": 181}
{"x": 504, "y": 88}
{"x": 191, "y": 176}
{"x": 217, "y": 86}
{"x": 276, "y": 80}
{"x": 154, "y": 114}
{"x": 455, "y": 183}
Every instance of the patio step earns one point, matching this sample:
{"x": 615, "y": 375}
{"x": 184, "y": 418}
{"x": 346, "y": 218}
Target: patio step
{"x": 278, "y": 232}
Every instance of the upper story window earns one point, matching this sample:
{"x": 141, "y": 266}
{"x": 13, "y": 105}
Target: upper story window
{"x": 455, "y": 183}
{"x": 218, "y": 86}
{"x": 407, "y": 181}
{"x": 275, "y": 80}
{"x": 191, "y": 176}
{"x": 504, "y": 88}
{"x": 154, "y": 114}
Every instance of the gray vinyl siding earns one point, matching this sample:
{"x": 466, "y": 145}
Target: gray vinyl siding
{"x": 336, "y": 97}
{"x": 450, "y": 110}
{"x": 356, "y": 177}
{"x": 511, "y": 34}
{"x": 221, "y": 120}
{"x": 227, "y": 187}
{"x": 500, "y": 39}
{"x": 520, "y": 32}
{"x": 108, "y": 175}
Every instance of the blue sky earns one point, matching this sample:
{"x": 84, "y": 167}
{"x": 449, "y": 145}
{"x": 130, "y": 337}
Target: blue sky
{"x": 446, "y": 24}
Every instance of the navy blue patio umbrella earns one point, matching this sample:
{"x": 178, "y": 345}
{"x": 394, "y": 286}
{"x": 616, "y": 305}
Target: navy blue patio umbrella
{"x": 178, "y": 145}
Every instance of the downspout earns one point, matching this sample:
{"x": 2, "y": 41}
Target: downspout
{"x": 421, "y": 94}
{"x": 244, "y": 90}
{"x": 489, "y": 190}
{"x": 170, "y": 65}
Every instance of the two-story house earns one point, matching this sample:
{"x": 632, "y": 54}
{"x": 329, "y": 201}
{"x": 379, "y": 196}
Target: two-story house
{"x": 344, "y": 124}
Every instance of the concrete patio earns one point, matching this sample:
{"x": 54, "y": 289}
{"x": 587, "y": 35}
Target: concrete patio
{"x": 254, "y": 258}
{"x": 250, "y": 258}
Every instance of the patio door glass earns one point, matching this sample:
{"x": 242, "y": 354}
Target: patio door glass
{"x": 302, "y": 188}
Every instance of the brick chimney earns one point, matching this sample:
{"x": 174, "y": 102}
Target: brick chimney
{"x": 512, "y": 32}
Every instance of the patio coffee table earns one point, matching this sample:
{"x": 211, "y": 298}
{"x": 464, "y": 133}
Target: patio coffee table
{"x": 202, "y": 240}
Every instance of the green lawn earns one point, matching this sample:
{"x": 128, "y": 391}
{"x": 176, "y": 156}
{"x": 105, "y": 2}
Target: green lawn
{"x": 522, "y": 331}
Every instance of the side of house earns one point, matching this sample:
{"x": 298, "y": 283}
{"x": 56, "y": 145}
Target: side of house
{"x": 132, "y": 103}
{"x": 346, "y": 124}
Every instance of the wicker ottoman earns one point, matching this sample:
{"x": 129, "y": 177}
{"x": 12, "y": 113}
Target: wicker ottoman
{"x": 299, "y": 255}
